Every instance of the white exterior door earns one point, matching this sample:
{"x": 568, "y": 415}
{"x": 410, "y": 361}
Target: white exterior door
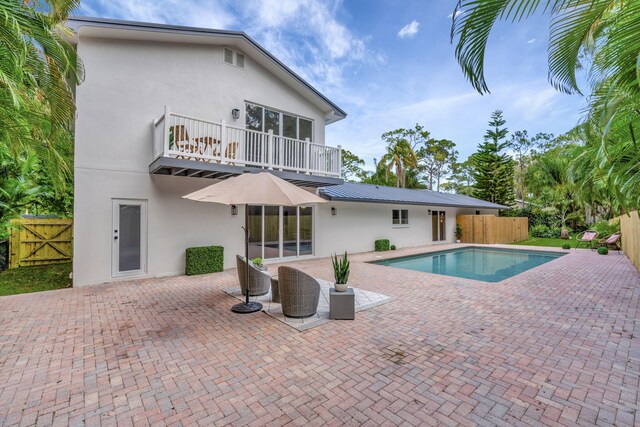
{"x": 129, "y": 238}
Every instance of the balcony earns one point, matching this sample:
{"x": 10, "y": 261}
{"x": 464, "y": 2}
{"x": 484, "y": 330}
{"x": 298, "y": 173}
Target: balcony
{"x": 190, "y": 146}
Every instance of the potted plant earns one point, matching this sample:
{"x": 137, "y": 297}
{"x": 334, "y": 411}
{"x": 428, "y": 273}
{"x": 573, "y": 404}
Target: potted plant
{"x": 340, "y": 272}
{"x": 458, "y": 233}
{"x": 258, "y": 263}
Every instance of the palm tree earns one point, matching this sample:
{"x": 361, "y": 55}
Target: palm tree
{"x": 601, "y": 36}
{"x": 400, "y": 156}
{"x": 36, "y": 104}
{"x": 549, "y": 181}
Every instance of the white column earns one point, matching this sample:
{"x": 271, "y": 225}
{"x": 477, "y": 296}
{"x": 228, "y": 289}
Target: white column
{"x": 270, "y": 149}
{"x": 339, "y": 161}
{"x": 307, "y": 155}
{"x": 223, "y": 142}
{"x": 167, "y": 119}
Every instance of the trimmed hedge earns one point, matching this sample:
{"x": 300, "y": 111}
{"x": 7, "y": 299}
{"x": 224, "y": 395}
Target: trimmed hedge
{"x": 204, "y": 260}
{"x": 382, "y": 245}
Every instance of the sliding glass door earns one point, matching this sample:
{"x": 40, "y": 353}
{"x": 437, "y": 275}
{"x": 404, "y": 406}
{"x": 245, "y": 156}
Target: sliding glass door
{"x": 280, "y": 231}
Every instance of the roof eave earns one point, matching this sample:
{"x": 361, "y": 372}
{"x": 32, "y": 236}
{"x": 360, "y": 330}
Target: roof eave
{"x": 403, "y": 202}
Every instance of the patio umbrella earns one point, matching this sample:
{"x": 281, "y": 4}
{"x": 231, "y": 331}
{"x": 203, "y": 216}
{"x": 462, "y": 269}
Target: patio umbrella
{"x": 253, "y": 189}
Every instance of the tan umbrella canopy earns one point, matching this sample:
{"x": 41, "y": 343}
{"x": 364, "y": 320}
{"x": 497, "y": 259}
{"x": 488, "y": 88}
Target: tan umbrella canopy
{"x": 256, "y": 189}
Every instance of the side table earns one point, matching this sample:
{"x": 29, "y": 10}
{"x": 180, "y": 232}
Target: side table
{"x": 342, "y": 305}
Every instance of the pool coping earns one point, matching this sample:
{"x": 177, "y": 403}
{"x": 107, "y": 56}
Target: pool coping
{"x": 370, "y": 258}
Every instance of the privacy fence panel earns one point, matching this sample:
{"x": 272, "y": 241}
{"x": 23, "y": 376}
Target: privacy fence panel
{"x": 630, "y": 229}
{"x": 40, "y": 241}
{"x": 488, "y": 229}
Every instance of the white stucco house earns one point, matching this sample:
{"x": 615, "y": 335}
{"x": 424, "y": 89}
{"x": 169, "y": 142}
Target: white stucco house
{"x": 167, "y": 110}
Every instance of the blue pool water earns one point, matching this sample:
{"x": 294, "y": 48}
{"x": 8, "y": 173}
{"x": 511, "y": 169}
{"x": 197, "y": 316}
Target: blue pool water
{"x": 486, "y": 264}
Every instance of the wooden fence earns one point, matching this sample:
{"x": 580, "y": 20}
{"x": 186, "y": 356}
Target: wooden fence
{"x": 492, "y": 229}
{"x": 630, "y": 229}
{"x": 40, "y": 241}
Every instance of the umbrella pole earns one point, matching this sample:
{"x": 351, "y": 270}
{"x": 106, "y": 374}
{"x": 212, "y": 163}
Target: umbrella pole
{"x": 247, "y": 306}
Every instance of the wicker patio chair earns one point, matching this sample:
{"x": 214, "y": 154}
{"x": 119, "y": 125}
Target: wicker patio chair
{"x": 612, "y": 242}
{"x": 259, "y": 281}
{"x": 299, "y": 293}
{"x": 587, "y": 237}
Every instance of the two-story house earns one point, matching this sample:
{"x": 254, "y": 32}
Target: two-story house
{"x": 167, "y": 110}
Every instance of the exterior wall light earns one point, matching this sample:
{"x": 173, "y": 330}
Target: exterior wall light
{"x": 429, "y": 212}
{"x": 235, "y": 113}
{"x": 334, "y": 211}
{"x": 234, "y": 210}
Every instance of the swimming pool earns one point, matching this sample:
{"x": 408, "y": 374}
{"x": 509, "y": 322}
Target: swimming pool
{"x": 471, "y": 262}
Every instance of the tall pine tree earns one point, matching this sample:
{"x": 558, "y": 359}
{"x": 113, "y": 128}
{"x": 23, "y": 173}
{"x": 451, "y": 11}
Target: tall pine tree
{"x": 494, "y": 170}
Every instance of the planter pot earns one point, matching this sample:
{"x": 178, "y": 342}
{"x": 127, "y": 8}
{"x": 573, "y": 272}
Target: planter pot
{"x": 341, "y": 287}
{"x": 457, "y": 240}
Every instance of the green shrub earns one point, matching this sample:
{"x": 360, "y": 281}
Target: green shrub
{"x": 546, "y": 231}
{"x": 382, "y": 245}
{"x": 566, "y": 246}
{"x": 392, "y": 247}
{"x": 602, "y": 250}
{"x": 204, "y": 260}
{"x": 257, "y": 261}
{"x": 605, "y": 229}
{"x": 540, "y": 230}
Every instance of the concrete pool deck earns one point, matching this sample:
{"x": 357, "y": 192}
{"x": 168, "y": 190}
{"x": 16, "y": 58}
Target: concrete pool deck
{"x": 556, "y": 345}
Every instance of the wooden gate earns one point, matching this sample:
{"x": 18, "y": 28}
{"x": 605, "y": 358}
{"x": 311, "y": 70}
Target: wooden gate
{"x": 490, "y": 229}
{"x": 40, "y": 241}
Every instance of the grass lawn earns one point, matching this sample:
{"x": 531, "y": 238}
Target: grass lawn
{"x": 35, "y": 279}
{"x": 541, "y": 241}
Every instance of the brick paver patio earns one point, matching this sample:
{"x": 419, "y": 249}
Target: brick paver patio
{"x": 556, "y": 345}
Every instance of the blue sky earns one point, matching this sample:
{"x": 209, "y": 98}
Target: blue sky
{"x": 388, "y": 64}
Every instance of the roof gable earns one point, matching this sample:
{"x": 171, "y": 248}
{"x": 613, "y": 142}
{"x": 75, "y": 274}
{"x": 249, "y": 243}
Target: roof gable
{"x": 119, "y": 29}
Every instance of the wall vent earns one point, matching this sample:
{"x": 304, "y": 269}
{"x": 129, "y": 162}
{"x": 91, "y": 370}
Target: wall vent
{"x": 232, "y": 57}
{"x": 228, "y": 56}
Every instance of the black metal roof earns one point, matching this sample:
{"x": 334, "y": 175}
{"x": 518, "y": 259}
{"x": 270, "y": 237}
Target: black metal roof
{"x": 367, "y": 193}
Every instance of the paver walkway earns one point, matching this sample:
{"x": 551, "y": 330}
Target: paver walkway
{"x": 557, "y": 345}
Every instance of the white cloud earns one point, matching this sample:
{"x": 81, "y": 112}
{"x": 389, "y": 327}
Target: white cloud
{"x": 410, "y": 30}
{"x": 308, "y": 37}
{"x": 531, "y": 41}
{"x": 458, "y": 13}
{"x": 176, "y": 12}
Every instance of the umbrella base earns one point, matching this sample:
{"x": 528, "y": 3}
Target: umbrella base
{"x": 247, "y": 307}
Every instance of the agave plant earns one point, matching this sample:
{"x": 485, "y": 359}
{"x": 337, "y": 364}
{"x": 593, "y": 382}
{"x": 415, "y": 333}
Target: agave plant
{"x": 340, "y": 269}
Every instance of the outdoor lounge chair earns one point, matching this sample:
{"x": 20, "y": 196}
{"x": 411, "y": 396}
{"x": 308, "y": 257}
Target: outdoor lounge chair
{"x": 181, "y": 141}
{"x": 299, "y": 293}
{"x": 259, "y": 281}
{"x": 612, "y": 242}
{"x": 587, "y": 237}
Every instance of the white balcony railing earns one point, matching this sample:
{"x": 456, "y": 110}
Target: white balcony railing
{"x": 180, "y": 136}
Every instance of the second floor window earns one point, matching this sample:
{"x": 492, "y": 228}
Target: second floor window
{"x": 263, "y": 119}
